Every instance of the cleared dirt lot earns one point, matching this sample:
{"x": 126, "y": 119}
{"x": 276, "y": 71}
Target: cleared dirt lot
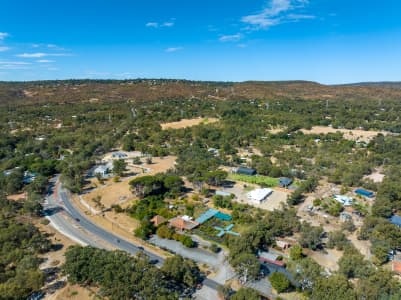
{"x": 72, "y": 292}
{"x": 354, "y": 135}
{"x": 274, "y": 201}
{"x": 188, "y": 123}
{"x": 327, "y": 260}
{"x": 119, "y": 192}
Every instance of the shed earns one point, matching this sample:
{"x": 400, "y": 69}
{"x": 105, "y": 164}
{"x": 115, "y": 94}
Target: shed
{"x": 245, "y": 171}
{"x": 258, "y": 195}
{"x": 285, "y": 182}
{"x": 283, "y": 244}
{"x": 364, "y": 193}
{"x": 396, "y": 220}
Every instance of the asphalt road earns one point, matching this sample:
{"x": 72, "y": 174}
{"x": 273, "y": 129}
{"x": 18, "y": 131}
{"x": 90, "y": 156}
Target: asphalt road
{"x": 93, "y": 235}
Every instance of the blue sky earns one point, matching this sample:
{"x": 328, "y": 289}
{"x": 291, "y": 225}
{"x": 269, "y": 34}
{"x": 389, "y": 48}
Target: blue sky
{"x": 329, "y": 41}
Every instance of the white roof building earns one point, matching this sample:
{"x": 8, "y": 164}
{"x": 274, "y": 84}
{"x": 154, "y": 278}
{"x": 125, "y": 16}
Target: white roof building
{"x": 344, "y": 200}
{"x": 258, "y": 195}
{"x": 103, "y": 170}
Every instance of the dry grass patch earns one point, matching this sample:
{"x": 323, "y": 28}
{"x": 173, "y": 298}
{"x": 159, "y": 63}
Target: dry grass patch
{"x": 188, "y": 123}
{"x": 73, "y": 292}
{"x": 353, "y": 135}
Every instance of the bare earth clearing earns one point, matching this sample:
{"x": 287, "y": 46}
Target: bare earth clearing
{"x": 274, "y": 201}
{"x": 72, "y": 292}
{"x": 188, "y": 123}
{"x": 113, "y": 193}
{"x": 354, "y": 134}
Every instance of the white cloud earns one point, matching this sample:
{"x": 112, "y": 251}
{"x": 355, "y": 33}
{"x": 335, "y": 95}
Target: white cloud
{"x": 230, "y": 38}
{"x": 298, "y": 17}
{"x": 152, "y": 24}
{"x": 168, "y": 24}
{"x": 173, "y": 49}
{"x": 55, "y": 47}
{"x": 2, "y": 49}
{"x": 41, "y": 54}
{"x": 13, "y": 65}
{"x": 45, "y": 61}
{"x": 32, "y": 55}
{"x": 157, "y": 24}
{"x": 276, "y": 12}
{"x": 3, "y": 35}
{"x": 7, "y": 62}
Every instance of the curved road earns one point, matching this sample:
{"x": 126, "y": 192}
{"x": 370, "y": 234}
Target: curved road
{"x": 82, "y": 230}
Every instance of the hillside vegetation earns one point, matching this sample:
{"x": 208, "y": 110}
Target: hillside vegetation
{"x": 67, "y": 91}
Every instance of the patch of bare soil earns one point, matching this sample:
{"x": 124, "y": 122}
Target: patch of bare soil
{"x": 326, "y": 260}
{"x": 73, "y": 292}
{"x": 16, "y": 197}
{"x": 56, "y": 257}
{"x": 188, "y": 123}
{"x": 354, "y": 134}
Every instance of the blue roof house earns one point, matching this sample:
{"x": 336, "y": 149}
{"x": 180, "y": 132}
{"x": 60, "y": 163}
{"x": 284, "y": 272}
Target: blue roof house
{"x": 285, "y": 182}
{"x": 396, "y": 220}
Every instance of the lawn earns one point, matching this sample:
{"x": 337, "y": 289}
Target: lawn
{"x": 258, "y": 179}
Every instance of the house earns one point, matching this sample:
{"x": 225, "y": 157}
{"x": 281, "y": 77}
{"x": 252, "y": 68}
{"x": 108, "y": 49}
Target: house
{"x": 364, "y": 193}
{"x": 344, "y": 200}
{"x": 396, "y": 264}
{"x": 284, "y": 182}
{"x": 283, "y": 244}
{"x": 259, "y": 195}
{"x": 222, "y": 193}
{"x": 183, "y": 223}
{"x": 157, "y": 220}
{"x": 244, "y": 171}
{"x": 103, "y": 170}
{"x": 396, "y": 220}
{"x": 272, "y": 258}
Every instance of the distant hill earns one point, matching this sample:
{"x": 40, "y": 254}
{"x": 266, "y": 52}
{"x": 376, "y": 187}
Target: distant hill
{"x": 383, "y": 84}
{"x": 66, "y": 91}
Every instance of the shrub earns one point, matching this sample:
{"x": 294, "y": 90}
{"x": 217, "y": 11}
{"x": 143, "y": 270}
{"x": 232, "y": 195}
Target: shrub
{"x": 279, "y": 282}
{"x": 165, "y": 232}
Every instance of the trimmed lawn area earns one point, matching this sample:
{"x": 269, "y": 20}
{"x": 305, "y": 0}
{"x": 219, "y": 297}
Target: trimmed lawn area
{"x": 257, "y": 179}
